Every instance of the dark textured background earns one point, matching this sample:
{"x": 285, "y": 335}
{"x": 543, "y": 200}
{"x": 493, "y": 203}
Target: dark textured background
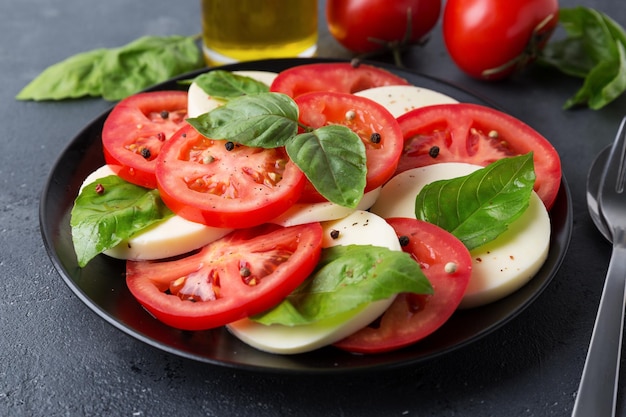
{"x": 57, "y": 358}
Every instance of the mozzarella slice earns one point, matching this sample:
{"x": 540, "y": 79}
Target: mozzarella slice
{"x": 360, "y": 227}
{"x": 302, "y": 213}
{"x": 172, "y": 237}
{"x": 500, "y": 267}
{"x": 199, "y": 102}
{"x": 399, "y": 99}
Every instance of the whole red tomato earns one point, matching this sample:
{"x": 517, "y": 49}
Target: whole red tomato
{"x": 368, "y": 25}
{"x": 491, "y": 39}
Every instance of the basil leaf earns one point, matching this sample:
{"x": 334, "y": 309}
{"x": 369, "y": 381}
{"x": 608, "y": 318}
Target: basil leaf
{"x": 225, "y": 85}
{"x": 594, "y": 49}
{"x": 147, "y": 61}
{"x": 266, "y": 120}
{"x": 346, "y": 279}
{"x": 100, "y": 221}
{"x": 118, "y": 72}
{"x": 478, "y": 207}
{"x": 333, "y": 159}
{"x": 74, "y": 77}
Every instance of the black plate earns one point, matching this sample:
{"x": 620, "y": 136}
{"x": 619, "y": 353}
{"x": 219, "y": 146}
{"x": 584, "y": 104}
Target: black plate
{"x": 102, "y": 288}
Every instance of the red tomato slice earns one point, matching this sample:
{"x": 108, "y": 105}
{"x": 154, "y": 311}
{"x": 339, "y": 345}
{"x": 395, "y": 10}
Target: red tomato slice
{"x": 366, "y": 118}
{"x": 338, "y": 77}
{"x": 477, "y": 135}
{"x": 412, "y": 317}
{"x": 135, "y": 130}
{"x": 220, "y": 184}
{"x": 242, "y": 274}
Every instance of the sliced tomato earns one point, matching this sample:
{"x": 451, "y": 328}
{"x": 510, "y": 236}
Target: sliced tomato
{"x": 447, "y": 264}
{"x": 339, "y": 77}
{"x": 244, "y": 273}
{"x": 135, "y": 130}
{"x": 377, "y": 128}
{"x": 221, "y": 184}
{"x": 478, "y": 135}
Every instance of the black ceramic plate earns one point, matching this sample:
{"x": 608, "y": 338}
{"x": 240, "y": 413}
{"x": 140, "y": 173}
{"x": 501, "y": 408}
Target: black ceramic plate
{"x": 102, "y": 288}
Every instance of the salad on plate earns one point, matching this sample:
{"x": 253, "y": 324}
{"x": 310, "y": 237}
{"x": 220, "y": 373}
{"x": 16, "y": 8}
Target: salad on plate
{"x": 326, "y": 204}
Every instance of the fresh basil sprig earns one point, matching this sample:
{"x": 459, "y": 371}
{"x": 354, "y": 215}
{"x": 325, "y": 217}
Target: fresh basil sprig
{"x": 109, "y": 211}
{"x": 224, "y": 85}
{"x": 595, "y": 50}
{"x": 478, "y": 207}
{"x": 116, "y": 73}
{"x": 331, "y": 157}
{"x": 347, "y": 278}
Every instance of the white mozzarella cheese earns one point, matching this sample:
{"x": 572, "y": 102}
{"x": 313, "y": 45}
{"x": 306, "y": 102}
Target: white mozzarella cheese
{"x": 172, "y": 237}
{"x": 302, "y": 213}
{"x": 199, "y": 102}
{"x": 500, "y": 267}
{"x": 360, "y": 227}
{"x": 400, "y": 99}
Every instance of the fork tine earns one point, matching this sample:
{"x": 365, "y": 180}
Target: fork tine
{"x": 615, "y": 168}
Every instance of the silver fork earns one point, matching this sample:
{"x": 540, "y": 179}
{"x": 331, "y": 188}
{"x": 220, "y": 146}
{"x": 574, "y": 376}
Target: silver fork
{"x": 597, "y": 393}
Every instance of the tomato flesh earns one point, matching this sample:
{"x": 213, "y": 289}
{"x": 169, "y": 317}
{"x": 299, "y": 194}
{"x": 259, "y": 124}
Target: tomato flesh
{"x": 136, "y": 129}
{"x": 337, "y": 77}
{"x": 221, "y": 184}
{"x": 447, "y": 264}
{"x": 366, "y": 118}
{"x": 242, "y": 274}
{"x": 477, "y": 135}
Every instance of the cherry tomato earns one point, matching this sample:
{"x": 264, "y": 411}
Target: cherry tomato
{"x": 367, "y": 25}
{"x": 447, "y": 264}
{"x": 244, "y": 273}
{"x": 221, "y": 184}
{"x": 477, "y": 135}
{"x": 340, "y": 77}
{"x": 135, "y": 130}
{"x": 491, "y": 39}
{"x": 376, "y": 127}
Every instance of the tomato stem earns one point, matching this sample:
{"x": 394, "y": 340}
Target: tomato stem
{"x": 396, "y": 47}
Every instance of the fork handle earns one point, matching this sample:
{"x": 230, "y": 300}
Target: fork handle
{"x": 597, "y": 392}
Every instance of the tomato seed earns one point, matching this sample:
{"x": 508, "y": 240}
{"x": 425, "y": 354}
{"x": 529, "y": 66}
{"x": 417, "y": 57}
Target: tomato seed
{"x": 493, "y": 134}
{"x": 350, "y": 115}
{"x": 375, "y": 137}
{"x": 434, "y": 152}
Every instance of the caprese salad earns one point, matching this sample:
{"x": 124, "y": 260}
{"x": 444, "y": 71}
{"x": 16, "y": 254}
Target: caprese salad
{"x": 328, "y": 204}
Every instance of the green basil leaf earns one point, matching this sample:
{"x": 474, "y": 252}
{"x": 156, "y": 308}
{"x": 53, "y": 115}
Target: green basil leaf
{"x": 74, "y": 77}
{"x": 594, "y": 49}
{"x": 346, "y": 279}
{"x": 100, "y": 221}
{"x": 478, "y": 207}
{"x": 118, "y": 72}
{"x": 333, "y": 159}
{"x": 147, "y": 61}
{"x": 266, "y": 120}
{"x": 225, "y": 85}
{"x": 603, "y": 84}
